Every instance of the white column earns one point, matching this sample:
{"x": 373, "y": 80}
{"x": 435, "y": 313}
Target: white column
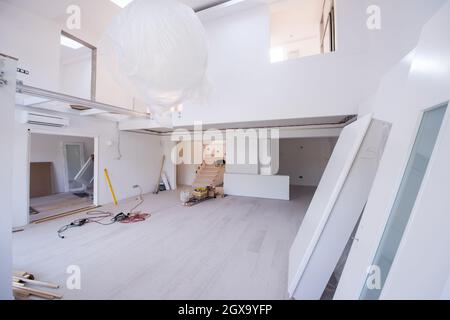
{"x": 7, "y": 101}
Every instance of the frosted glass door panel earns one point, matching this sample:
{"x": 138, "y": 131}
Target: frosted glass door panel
{"x": 406, "y": 197}
{"x": 74, "y": 161}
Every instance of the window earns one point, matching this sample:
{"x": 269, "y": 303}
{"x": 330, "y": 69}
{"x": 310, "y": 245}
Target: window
{"x": 301, "y": 28}
{"x": 406, "y": 197}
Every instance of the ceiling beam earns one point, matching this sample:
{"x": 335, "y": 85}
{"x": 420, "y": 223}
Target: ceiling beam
{"x": 55, "y": 96}
{"x": 91, "y": 112}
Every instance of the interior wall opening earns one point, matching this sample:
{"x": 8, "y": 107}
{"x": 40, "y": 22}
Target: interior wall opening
{"x": 77, "y": 67}
{"x": 301, "y": 28}
{"x": 304, "y": 160}
{"x": 62, "y": 175}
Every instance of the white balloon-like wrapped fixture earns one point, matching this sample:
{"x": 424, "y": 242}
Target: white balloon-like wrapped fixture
{"x": 161, "y": 51}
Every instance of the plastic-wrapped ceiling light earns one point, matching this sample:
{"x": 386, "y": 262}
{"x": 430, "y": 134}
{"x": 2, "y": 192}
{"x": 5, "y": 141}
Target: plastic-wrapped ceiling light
{"x": 160, "y": 50}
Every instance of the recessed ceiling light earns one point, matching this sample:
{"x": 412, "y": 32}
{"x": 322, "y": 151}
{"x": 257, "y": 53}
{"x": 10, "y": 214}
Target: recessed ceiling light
{"x": 122, "y": 3}
{"x": 67, "y": 42}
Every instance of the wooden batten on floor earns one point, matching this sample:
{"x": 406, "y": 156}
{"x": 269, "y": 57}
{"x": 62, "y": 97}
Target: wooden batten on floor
{"x": 23, "y": 274}
{"x": 21, "y": 282}
{"x": 35, "y": 282}
{"x": 62, "y": 215}
{"x": 35, "y": 292}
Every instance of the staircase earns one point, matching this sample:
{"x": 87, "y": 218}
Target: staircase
{"x": 209, "y": 176}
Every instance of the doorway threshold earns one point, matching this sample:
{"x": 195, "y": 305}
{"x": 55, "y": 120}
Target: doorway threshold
{"x": 65, "y": 214}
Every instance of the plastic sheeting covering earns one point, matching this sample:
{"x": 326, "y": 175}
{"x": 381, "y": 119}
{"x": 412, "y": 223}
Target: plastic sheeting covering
{"x": 159, "y": 51}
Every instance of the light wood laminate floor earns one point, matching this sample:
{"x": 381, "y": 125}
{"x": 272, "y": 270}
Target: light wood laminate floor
{"x": 57, "y": 204}
{"x": 231, "y": 248}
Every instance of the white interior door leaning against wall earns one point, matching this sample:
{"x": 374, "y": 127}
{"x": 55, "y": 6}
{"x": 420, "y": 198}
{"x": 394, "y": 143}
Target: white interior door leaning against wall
{"x": 73, "y": 162}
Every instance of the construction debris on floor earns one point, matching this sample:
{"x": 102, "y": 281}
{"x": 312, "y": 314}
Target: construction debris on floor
{"x": 99, "y": 217}
{"x": 163, "y": 182}
{"x": 208, "y": 184}
{"x": 25, "y": 285}
{"x": 200, "y": 195}
{"x": 82, "y": 195}
{"x": 18, "y": 230}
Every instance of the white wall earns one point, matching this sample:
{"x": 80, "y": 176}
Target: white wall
{"x": 49, "y": 148}
{"x": 75, "y": 78}
{"x": 257, "y": 186}
{"x": 243, "y": 154}
{"x": 420, "y": 81}
{"x": 446, "y": 292}
{"x": 295, "y": 27}
{"x": 305, "y": 157}
{"x": 140, "y": 163}
{"x": 8, "y": 66}
{"x": 401, "y": 25}
{"x": 245, "y": 86}
{"x": 170, "y": 168}
{"x": 34, "y": 41}
{"x": 186, "y": 174}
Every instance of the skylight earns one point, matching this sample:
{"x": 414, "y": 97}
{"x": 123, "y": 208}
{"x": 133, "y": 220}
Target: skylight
{"x": 67, "y": 42}
{"x": 122, "y": 3}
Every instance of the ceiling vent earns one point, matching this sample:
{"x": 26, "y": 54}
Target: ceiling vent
{"x": 42, "y": 119}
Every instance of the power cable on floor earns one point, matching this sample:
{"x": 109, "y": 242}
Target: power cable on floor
{"x": 98, "y": 216}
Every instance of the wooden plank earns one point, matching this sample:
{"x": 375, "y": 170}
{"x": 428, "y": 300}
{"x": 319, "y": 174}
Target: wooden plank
{"x": 65, "y": 214}
{"x": 23, "y": 274}
{"x": 37, "y": 292}
{"x": 35, "y": 282}
{"x": 18, "y": 284}
{"x": 159, "y": 177}
{"x": 19, "y": 273}
{"x": 41, "y": 179}
{"x": 20, "y": 294}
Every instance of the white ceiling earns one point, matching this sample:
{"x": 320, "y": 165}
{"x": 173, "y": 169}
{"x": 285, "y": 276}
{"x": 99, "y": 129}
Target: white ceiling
{"x": 318, "y": 122}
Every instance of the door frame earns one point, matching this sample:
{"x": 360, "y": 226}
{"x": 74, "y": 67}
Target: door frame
{"x": 93, "y": 61}
{"x": 66, "y": 168}
{"x": 70, "y": 134}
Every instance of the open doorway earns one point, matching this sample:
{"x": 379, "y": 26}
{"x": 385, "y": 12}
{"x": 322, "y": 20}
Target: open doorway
{"x": 62, "y": 175}
{"x": 304, "y": 160}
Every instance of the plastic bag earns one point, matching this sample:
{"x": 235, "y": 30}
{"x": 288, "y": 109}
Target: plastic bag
{"x": 160, "y": 50}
